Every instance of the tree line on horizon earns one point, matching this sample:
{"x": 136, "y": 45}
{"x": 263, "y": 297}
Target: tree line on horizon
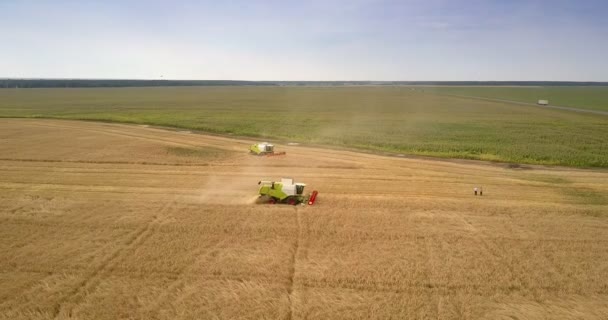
{"x": 113, "y": 83}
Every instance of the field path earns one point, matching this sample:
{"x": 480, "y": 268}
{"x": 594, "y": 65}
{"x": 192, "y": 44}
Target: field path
{"x": 573, "y": 109}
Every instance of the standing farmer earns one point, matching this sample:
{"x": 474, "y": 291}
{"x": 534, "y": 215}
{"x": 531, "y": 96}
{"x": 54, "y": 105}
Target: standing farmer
{"x": 475, "y": 190}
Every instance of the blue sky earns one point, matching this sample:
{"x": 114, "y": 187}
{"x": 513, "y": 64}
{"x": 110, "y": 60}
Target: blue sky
{"x": 306, "y": 40}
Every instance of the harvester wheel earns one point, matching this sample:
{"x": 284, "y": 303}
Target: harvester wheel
{"x": 292, "y": 201}
{"x": 272, "y": 201}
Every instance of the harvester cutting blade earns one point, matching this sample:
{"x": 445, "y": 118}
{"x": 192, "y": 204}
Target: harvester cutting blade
{"x": 276, "y": 154}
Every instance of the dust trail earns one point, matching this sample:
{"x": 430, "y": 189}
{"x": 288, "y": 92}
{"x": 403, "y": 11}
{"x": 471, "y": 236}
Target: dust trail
{"x": 228, "y": 190}
{"x": 253, "y": 200}
{"x": 239, "y": 186}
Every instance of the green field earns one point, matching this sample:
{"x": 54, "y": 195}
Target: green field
{"x": 395, "y": 119}
{"x": 592, "y": 98}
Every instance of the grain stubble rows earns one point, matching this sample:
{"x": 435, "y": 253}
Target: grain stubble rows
{"x": 104, "y": 221}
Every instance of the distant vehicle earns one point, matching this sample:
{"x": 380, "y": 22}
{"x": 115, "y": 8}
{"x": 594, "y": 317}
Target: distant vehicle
{"x": 264, "y": 149}
{"x": 543, "y": 102}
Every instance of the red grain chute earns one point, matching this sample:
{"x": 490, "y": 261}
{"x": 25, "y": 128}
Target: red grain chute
{"x": 274, "y": 154}
{"x": 313, "y": 198}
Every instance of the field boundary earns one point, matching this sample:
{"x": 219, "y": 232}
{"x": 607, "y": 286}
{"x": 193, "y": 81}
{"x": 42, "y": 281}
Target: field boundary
{"x": 377, "y": 152}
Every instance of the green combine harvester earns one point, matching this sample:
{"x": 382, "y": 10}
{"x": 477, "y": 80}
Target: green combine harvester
{"x": 264, "y": 149}
{"x": 285, "y": 191}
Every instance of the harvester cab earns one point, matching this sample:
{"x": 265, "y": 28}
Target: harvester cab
{"x": 285, "y": 191}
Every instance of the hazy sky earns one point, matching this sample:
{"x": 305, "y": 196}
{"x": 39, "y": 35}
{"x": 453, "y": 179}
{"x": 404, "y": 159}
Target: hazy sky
{"x": 306, "y": 40}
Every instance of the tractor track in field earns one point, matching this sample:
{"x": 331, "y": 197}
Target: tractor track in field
{"x": 136, "y": 239}
{"x": 120, "y": 132}
{"x": 293, "y": 263}
{"x": 143, "y": 163}
{"x": 390, "y": 287}
{"x": 179, "y": 281}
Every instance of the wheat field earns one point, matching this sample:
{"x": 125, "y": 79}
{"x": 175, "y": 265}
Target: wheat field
{"x": 109, "y": 221}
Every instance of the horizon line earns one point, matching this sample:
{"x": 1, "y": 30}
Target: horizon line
{"x": 241, "y": 80}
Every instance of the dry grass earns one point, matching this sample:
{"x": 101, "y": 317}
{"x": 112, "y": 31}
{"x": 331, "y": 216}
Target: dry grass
{"x": 102, "y": 221}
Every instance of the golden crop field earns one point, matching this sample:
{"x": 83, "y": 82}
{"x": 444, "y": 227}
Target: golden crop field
{"x": 110, "y": 221}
